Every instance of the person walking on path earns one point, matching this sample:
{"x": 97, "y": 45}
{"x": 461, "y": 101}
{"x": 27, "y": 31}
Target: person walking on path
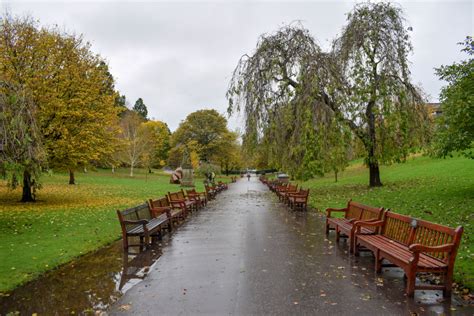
{"x": 248, "y": 176}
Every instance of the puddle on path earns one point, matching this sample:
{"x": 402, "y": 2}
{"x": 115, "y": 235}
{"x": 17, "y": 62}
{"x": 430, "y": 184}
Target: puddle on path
{"x": 86, "y": 285}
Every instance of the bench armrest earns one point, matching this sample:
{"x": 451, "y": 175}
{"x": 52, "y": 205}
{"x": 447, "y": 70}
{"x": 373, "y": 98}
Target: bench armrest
{"x": 417, "y": 248}
{"x": 367, "y": 223}
{"x": 440, "y": 248}
{"x": 330, "y": 210}
{"x": 178, "y": 203}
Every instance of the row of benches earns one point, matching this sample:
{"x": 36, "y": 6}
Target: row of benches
{"x": 416, "y": 246}
{"x": 296, "y": 199}
{"x": 148, "y": 221}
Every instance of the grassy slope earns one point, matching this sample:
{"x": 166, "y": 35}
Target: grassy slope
{"x": 440, "y": 190}
{"x": 67, "y": 221}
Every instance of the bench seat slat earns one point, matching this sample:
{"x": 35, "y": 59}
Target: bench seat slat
{"x": 390, "y": 247}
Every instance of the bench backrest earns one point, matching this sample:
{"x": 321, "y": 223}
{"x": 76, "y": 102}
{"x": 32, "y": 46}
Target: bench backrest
{"x": 162, "y": 205}
{"x": 292, "y": 188}
{"x": 181, "y": 195}
{"x": 303, "y": 192}
{"x": 398, "y": 228}
{"x": 135, "y": 213}
{"x": 360, "y": 211}
{"x": 431, "y": 234}
{"x": 192, "y": 191}
{"x": 163, "y": 202}
{"x": 173, "y": 196}
{"x": 408, "y": 230}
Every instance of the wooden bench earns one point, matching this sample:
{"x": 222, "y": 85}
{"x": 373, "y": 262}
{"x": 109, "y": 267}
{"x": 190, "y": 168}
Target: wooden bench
{"x": 298, "y": 200}
{"x": 277, "y": 185}
{"x": 177, "y": 200}
{"x": 413, "y": 245}
{"x": 222, "y": 185}
{"x": 200, "y": 196}
{"x": 210, "y": 192}
{"x": 284, "y": 191}
{"x": 140, "y": 222}
{"x": 175, "y": 214}
{"x": 352, "y": 212}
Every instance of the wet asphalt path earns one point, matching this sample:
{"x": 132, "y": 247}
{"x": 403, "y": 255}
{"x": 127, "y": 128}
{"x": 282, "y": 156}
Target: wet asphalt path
{"x": 246, "y": 254}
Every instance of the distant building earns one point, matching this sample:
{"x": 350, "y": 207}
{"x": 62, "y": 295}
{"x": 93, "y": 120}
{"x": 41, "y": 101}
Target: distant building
{"x": 434, "y": 109}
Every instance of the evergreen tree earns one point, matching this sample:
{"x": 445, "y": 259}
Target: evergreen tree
{"x": 140, "y": 108}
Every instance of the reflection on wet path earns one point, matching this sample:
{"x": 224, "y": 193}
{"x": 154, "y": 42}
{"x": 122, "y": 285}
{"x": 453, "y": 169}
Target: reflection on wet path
{"x": 88, "y": 284}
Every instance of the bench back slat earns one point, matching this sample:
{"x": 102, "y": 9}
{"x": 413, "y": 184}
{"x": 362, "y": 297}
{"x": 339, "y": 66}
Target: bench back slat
{"x": 180, "y": 195}
{"x": 135, "y": 213}
{"x": 173, "y": 196}
{"x": 163, "y": 202}
{"x": 430, "y": 234}
{"x": 408, "y": 230}
{"x": 398, "y": 228}
{"x": 292, "y": 188}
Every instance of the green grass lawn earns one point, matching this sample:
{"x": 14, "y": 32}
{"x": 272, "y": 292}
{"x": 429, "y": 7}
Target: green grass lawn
{"x": 68, "y": 220}
{"x": 438, "y": 190}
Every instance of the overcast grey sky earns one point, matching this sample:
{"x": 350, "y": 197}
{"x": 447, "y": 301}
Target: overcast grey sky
{"x": 179, "y": 56}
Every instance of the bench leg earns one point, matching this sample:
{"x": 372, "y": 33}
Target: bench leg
{"x": 125, "y": 243}
{"x": 356, "y": 247}
{"x": 351, "y": 242}
{"x": 327, "y": 227}
{"x": 411, "y": 279}
{"x": 338, "y": 234}
{"x": 141, "y": 243}
{"x": 147, "y": 240}
{"x": 378, "y": 262}
{"x": 448, "y": 283}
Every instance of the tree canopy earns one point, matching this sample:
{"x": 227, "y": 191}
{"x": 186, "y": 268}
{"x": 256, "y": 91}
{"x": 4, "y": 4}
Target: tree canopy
{"x": 455, "y": 128}
{"x": 204, "y": 133}
{"x": 300, "y": 102}
{"x": 140, "y": 108}
{"x": 70, "y": 86}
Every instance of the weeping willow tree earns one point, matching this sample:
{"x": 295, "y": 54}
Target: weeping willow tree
{"x": 302, "y": 102}
{"x": 21, "y": 148}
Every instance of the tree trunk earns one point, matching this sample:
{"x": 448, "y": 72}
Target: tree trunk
{"x": 27, "y": 194}
{"x": 335, "y": 175}
{"x": 72, "y": 179}
{"x": 131, "y": 170}
{"x": 374, "y": 174}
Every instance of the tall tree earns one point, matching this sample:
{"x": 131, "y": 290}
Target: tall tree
{"x": 21, "y": 148}
{"x": 135, "y": 140}
{"x": 70, "y": 85}
{"x": 82, "y": 126}
{"x": 159, "y": 143}
{"x": 140, "y": 108}
{"x": 363, "y": 82}
{"x": 207, "y": 128}
{"x": 377, "y": 99}
{"x": 455, "y": 129}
